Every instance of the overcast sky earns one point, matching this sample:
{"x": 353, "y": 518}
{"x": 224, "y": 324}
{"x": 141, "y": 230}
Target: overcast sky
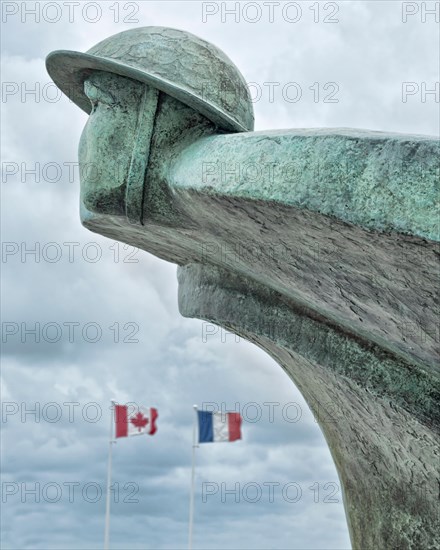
{"x": 78, "y": 287}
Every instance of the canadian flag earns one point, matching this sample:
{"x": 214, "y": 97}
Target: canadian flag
{"x": 136, "y": 421}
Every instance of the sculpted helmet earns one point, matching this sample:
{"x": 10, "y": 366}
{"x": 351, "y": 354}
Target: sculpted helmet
{"x": 175, "y": 62}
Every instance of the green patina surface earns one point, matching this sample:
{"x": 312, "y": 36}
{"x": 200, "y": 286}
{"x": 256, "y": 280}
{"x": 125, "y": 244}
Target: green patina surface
{"x": 357, "y": 214}
{"x": 381, "y": 181}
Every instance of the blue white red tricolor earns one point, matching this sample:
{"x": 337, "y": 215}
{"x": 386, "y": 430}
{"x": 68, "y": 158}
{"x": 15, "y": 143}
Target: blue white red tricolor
{"x": 131, "y": 420}
{"x": 215, "y": 427}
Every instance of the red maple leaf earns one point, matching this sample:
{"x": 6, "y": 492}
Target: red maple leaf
{"x": 140, "y": 421}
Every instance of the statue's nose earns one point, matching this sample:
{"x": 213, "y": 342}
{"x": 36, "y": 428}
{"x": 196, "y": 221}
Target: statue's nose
{"x": 115, "y": 143}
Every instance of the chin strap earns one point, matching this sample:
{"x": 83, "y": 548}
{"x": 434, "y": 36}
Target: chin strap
{"x": 141, "y": 152}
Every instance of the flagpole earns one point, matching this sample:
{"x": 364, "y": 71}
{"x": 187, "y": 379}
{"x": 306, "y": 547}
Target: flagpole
{"x": 191, "y": 502}
{"x": 109, "y": 479}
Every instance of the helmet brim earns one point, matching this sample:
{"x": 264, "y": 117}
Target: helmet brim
{"x": 69, "y": 69}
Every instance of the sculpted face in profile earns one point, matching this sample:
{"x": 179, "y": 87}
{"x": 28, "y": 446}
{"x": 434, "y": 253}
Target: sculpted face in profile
{"x": 145, "y": 90}
{"x": 293, "y": 239}
{"x": 130, "y": 126}
{"x": 109, "y": 137}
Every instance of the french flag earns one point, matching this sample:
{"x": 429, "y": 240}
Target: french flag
{"x": 217, "y": 426}
{"x": 136, "y": 422}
